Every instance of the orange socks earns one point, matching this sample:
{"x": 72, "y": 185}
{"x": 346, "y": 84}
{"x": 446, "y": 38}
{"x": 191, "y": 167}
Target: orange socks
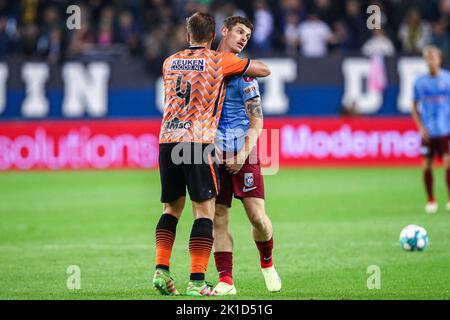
{"x": 165, "y": 237}
{"x": 200, "y": 245}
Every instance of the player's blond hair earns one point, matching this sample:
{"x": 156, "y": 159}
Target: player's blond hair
{"x": 430, "y": 48}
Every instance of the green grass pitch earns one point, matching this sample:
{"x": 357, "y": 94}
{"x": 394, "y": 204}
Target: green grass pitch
{"x": 329, "y": 224}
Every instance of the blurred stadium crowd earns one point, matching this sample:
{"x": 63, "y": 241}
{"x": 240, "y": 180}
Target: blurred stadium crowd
{"x": 153, "y": 29}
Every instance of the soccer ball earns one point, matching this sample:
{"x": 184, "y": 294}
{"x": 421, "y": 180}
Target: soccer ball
{"x": 413, "y": 237}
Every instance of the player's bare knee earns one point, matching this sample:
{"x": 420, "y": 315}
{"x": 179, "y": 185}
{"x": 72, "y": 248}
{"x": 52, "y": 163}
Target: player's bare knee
{"x": 258, "y": 220}
{"x": 221, "y": 223}
{"x": 221, "y": 215}
{"x": 204, "y": 209}
{"x": 175, "y": 208}
{"x": 221, "y": 210}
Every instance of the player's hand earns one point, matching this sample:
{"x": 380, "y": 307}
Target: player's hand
{"x": 234, "y": 164}
{"x": 424, "y": 134}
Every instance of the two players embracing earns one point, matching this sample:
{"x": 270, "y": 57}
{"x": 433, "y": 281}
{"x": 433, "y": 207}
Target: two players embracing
{"x": 207, "y": 90}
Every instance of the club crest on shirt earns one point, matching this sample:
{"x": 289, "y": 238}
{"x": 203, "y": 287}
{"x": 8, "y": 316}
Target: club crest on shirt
{"x": 248, "y": 79}
{"x": 249, "y": 180}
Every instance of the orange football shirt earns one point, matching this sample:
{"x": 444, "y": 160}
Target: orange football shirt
{"x": 194, "y": 93}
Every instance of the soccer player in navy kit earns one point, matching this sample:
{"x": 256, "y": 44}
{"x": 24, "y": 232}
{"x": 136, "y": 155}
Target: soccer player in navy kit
{"x": 431, "y": 113}
{"x": 240, "y": 125}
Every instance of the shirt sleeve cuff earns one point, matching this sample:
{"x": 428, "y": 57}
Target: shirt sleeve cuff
{"x": 247, "y": 66}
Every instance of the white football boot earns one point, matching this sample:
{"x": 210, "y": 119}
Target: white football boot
{"x": 273, "y": 281}
{"x": 225, "y": 289}
{"x": 432, "y": 207}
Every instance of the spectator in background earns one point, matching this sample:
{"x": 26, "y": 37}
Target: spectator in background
{"x": 132, "y": 6}
{"x": 54, "y": 49}
{"x": 178, "y": 9}
{"x": 314, "y": 35}
{"x": 24, "y": 30}
{"x": 291, "y": 36}
{"x": 385, "y": 22}
{"x": 178, "y": 38}
{"x": 152, "y": 14}
{"x": 50, "y": 20}
{"x": 440, "y": 38}
{"x": 444, "y": 13}
{"x": 127, "y": 32}
{"x": 157, "y": 45}
{"x": 325, "y": 11}
{"x": 414, "y": 33}
{"x": 96, "y": 8}
{"x": 222, "y": 10}
{"x": 288, "y": 7}
{"x": 105, "y": 33}
{"x": 81, "y": 39}
{"x": 342, "y": 40}
{"x": 29, "y": 13}
{"x": 28, "y": 30}
{"x": 192, "y": 6}
{"x": 381, "y": 4}
{"x": 10, "y": 8}
{"x": 5, "y": 40}
{"x": 444, "y": 10}
{"x": 50, "y": 43}
{"x": 396, "y": 12}
{"x": 378, "y": 44}
{"x": 263, "y": 21}
{"x": 356, "y": 23}
{"x": 28, "y": 38}
{"x": 162, "y": 37}
{"x": 165, "y": 18}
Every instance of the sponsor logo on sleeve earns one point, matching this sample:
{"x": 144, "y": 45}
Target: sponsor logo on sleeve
{"x": 249, "y": 89}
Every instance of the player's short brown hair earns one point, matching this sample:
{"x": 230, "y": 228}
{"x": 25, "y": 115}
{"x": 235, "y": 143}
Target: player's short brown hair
{"x": 201, "y": 27}
{"x": 230, "y": 22}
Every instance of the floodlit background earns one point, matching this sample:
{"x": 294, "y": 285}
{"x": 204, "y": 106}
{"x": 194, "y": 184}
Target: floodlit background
{"x": 80, "y": 113}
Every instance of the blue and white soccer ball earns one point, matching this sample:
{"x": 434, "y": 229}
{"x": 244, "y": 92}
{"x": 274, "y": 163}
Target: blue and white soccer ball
{"x": 413, "y": 237}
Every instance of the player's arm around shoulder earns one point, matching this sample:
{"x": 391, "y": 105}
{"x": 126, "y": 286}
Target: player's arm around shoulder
{"x": 234, "y": 65}
{"x": 257, "y": 69}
